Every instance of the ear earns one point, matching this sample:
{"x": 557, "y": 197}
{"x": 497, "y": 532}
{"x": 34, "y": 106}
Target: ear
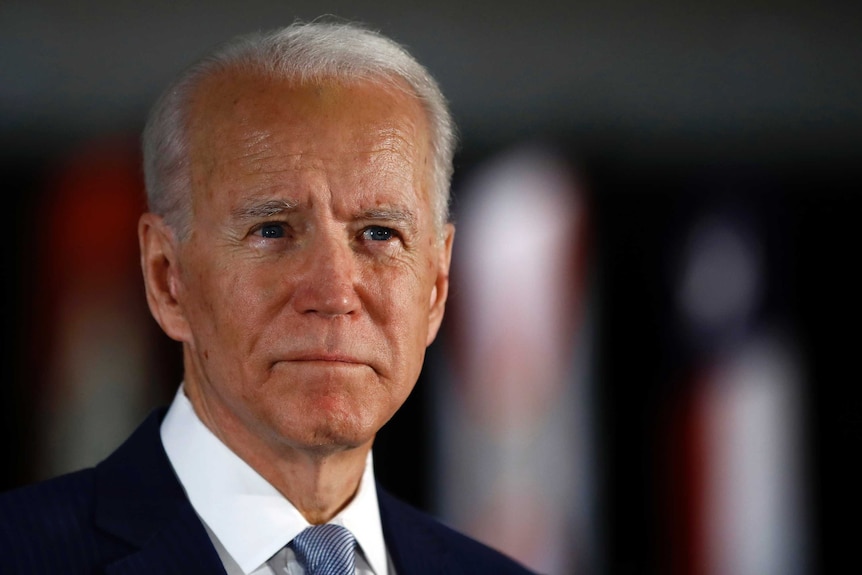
{"x": 162, "y": 279}
{"x": 440, "y": 291}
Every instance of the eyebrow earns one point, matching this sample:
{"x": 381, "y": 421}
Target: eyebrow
{"x": 267, "y": 209}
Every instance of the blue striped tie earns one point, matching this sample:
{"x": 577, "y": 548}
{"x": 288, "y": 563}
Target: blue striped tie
{"x": 325, "y": 550}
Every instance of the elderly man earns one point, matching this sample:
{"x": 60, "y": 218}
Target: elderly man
{"x": 297, "y": 245}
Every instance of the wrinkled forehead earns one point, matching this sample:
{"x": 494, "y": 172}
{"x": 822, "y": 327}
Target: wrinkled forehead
{"x": 243, "y": 121}
{"x": 233, "y": 100}
{"x": 236, "y": 101}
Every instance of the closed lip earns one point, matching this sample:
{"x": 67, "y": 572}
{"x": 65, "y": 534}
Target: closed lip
{"x": 326, "y": 358}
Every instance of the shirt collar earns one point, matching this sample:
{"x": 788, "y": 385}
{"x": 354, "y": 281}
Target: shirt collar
{"x": 250, "y": 518}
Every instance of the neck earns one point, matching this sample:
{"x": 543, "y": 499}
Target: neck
{"x": 318, "y": 486}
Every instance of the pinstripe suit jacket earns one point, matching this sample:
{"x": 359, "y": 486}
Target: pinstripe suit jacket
{"x": 129, "y": 515}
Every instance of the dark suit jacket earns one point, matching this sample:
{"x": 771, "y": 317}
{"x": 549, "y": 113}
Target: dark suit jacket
{"x": 129, "y": 515}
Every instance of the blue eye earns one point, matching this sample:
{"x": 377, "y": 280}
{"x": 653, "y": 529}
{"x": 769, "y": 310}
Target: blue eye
{"x": 272, "y": 231}
{"x": 377, "y": 234}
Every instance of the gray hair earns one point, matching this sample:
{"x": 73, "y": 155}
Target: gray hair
{"x": 301, "y": 51}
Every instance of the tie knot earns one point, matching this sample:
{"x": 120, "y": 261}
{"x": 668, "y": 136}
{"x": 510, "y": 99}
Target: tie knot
{"x": 325, "y": 550}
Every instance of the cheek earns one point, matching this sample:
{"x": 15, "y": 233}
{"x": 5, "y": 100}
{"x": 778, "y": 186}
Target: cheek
{"x": 249, "y": 306}
{"x": 225, "y": 310}
{"x": 409, "y": 314}
{"x": 400, "y": 292}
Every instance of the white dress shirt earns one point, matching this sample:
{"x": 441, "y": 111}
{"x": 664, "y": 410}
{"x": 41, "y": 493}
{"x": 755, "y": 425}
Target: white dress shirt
{"x": 248, "y": 520}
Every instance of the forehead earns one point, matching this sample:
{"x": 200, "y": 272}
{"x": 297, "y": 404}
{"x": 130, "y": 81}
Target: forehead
{"x": 254, "y": 138}
{"x": 241, "y": 116}
{"x": 236, "y": 95}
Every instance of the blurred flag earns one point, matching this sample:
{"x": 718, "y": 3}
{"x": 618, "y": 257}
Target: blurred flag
{"x": 515, "y": 403}
{"x": 739, "y": 438}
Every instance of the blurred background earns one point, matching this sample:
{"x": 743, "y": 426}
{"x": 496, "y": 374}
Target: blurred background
{"x": 648, "y": 364}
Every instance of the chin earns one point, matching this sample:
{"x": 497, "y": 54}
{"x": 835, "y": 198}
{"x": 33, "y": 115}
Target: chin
{"x": 326, "y": 442}
{"x": 327, "y": 431}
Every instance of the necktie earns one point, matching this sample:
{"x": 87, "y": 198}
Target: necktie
{"x": 325, "y": 550}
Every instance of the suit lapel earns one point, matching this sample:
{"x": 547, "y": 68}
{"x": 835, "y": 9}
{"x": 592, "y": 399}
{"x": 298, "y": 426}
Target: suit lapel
{"x": 140, "y": 500}
{"x": 179, "y": 547}
{"x": 414, "y": 547}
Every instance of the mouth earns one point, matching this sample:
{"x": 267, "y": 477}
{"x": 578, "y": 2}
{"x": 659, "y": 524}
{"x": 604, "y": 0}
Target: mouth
{"x": 326, "y": 358}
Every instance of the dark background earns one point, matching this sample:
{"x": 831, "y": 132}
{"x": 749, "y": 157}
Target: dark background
{"x": 666, "y": 111}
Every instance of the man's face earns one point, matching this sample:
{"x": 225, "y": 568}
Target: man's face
{"x": 313, "y": 278}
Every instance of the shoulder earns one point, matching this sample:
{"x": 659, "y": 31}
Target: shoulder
{"x": 49, "y": 504}
{"x": 54, "y": 526}
{"x": 40, "y": 520}
{"x": 405, "y": 525}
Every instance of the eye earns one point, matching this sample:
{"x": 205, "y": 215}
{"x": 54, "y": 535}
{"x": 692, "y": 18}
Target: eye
{"x": 378, "y": 234}
{"x": 271, "y": 231}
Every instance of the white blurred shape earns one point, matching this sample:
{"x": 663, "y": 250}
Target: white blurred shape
{"x": 516, "y": 247}
{"x": 755, "y": 508}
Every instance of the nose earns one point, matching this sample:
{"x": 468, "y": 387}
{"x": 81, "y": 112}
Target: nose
{"x": 326, "y": 283}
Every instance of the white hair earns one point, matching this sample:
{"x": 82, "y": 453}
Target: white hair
{"x": 304, "y": 52}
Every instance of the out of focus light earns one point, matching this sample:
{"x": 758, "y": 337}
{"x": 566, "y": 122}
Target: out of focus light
{"x": 755, "y": 508}
{"x": 720, "y": 276}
